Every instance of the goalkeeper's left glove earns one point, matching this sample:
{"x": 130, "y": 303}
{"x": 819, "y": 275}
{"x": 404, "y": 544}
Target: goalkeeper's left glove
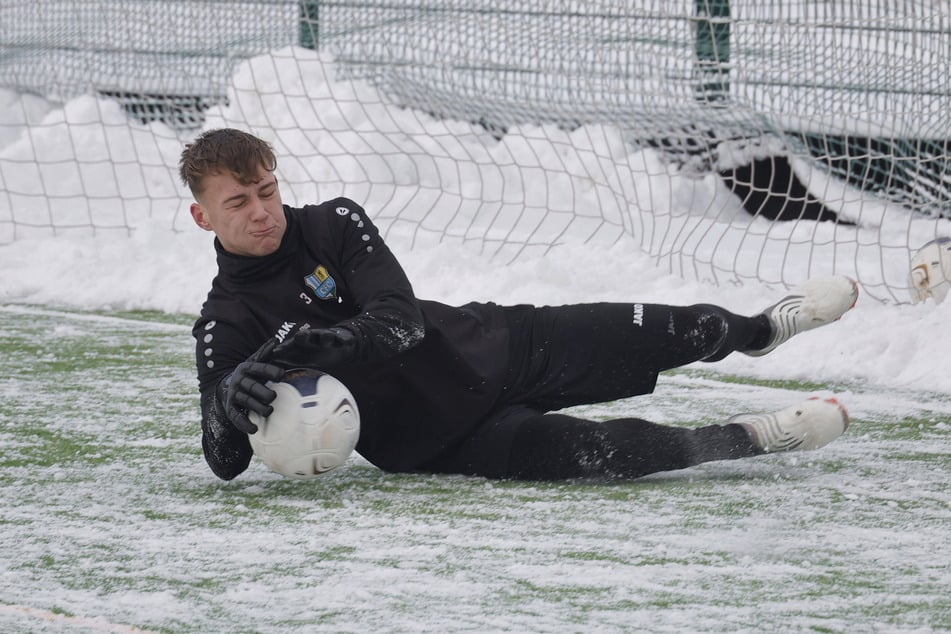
{"x": 244, "y": 389}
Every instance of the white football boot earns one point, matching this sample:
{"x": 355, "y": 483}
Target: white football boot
{"x": 815, "y": 302}
{"x": 811, "y": 424}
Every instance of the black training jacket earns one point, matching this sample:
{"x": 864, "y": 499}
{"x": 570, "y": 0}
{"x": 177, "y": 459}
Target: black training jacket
{"x": 426, "y": 373}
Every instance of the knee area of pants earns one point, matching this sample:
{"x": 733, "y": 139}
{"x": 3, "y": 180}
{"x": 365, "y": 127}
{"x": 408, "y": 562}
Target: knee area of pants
{"x": 564, "y": 436}
{"x": 711, "y": 329}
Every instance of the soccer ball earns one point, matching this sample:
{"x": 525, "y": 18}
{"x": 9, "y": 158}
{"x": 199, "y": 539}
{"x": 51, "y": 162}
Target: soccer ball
{"x": 931, "y": 271}
{"x": 314, "y": 427}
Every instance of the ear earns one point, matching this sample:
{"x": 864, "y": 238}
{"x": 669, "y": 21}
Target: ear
{"x": 200, "y": 217}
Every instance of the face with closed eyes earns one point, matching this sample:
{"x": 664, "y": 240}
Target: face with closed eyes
{"x": 248, "y": 218}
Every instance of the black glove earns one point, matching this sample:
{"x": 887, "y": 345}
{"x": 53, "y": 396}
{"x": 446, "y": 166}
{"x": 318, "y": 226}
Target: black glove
{"x": 318, "y": 348}
{"x": 244, "y": 390}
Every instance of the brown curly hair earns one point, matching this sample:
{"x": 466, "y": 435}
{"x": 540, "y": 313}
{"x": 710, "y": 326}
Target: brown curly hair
{"x": 224, "y": 149}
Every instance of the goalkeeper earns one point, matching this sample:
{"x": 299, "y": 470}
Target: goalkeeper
{"x": 468, "y": 389}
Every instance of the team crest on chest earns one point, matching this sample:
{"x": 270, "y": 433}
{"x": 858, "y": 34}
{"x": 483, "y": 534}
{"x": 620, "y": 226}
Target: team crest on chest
{"x": 322, "y": 284}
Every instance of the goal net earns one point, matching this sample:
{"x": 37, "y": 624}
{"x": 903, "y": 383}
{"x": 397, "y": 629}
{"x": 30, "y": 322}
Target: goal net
{"x": 732, "y": 140}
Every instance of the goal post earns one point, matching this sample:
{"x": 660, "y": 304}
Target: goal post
{"x": 732, "y": 140}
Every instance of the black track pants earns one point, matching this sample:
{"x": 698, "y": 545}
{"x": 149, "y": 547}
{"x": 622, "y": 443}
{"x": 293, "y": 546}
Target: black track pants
{"x": 555, "y": 446}
{"x": 589, "y": 353}
{"x": 593, "y": 353}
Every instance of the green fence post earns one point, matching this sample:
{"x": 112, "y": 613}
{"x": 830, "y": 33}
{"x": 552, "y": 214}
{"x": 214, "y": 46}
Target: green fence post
{"x": 309, "y": 24}
{"x": 713, "y": 50}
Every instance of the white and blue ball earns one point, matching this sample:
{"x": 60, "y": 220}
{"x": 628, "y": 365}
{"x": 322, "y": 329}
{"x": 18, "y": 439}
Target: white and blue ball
{"x": 313, "y": 429}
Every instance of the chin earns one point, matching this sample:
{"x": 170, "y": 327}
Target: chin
{"x": 267, "y": 248}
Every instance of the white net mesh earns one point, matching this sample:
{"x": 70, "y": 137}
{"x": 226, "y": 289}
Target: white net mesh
{"x": 734, "y": 140}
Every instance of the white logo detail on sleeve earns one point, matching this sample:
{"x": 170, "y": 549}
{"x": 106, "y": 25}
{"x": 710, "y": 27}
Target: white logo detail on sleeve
{"x": 284, "y": 330}
{"x": 342, "y": 211}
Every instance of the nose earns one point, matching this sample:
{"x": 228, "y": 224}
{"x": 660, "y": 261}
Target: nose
{"x": 258, "y": 210}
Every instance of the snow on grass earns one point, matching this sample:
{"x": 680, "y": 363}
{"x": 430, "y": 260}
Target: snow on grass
{"x": 112, "y": 521}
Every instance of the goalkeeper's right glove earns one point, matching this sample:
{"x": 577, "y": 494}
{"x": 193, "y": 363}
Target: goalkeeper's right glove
{"x": 318, "y": 348}
{"x": 244, "y": 389}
